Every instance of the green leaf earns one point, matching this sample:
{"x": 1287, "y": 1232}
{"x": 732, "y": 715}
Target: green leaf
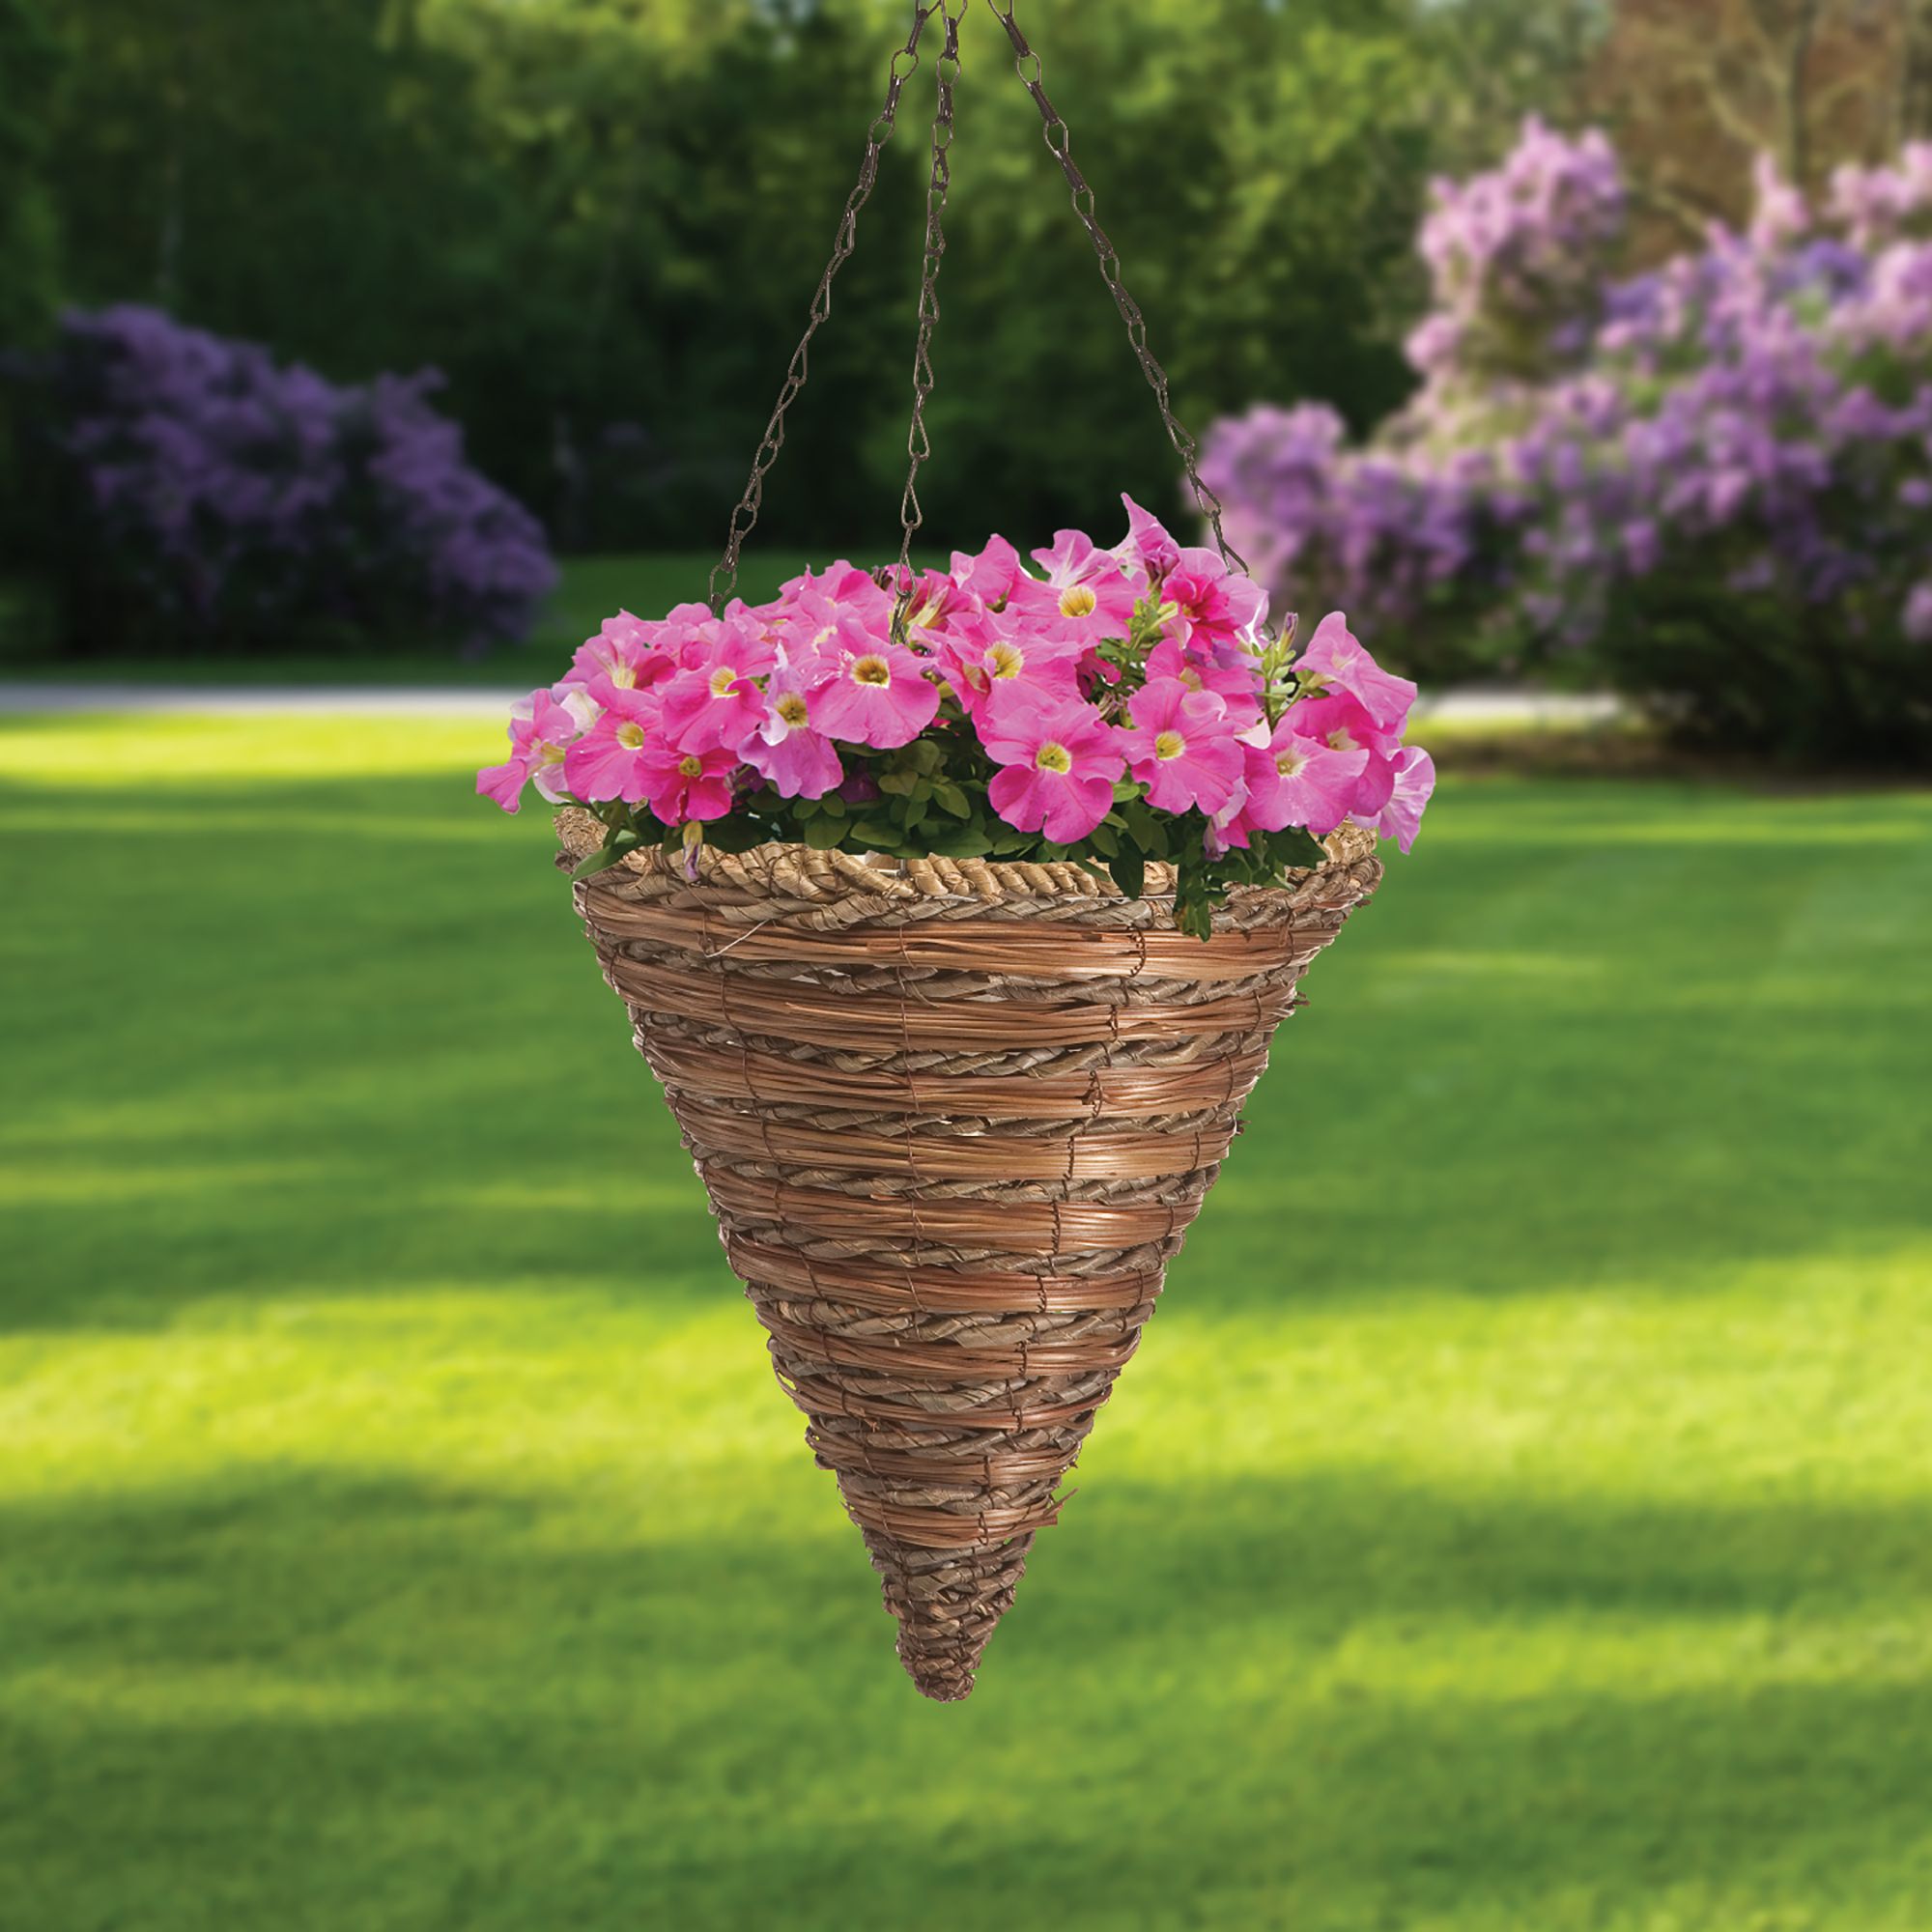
{"x": 1128, "y": 866}
{"x": 949, "y": 798}
{"x": 1294, "y": 848}
{"x": 960, "y": 841}
{"x": 607, "y": 855}
{"x": 823, "y": 835}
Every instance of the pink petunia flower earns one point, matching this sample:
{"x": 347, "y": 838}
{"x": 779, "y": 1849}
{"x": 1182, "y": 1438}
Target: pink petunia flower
{"x": 715, "y": 698}
{"x": 1076, "y": 558}
{"x": 1295, "y": 781}
{"x": 681, "y": 785}
{"x": 543, "y": 727}
{"x": 1233, "y": 676}
{"x": 1401, "y": 815}
{"x": 785, "y": 748}
{"x": 1342, "y": 723}
{"x": 877, "y": 692}
{"x": 1147, "y": 541}
{"x": 1059, "y": 762}
{"x": 1338, "y": 660}
{"x": 973, "y": 667}
{"x": 627, "y": 651}
{"x": 1181, "y": 745}
{"x": 1216, "y": 603}
{"x": 608, "y": 761}
{"x": 991, "y": 576}
{"x": 1084, "y": 611}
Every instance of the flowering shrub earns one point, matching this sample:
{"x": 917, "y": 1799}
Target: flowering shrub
{"x": 1124, "y": 705}
{"x": 1713, "y": 480}
{"x": 223, "y": 498}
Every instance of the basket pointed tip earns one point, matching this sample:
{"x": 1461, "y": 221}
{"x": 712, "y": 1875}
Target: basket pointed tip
{"x": 940, "y": 1689}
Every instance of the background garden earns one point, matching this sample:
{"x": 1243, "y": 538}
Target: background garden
{"x": 399, "y": 1527}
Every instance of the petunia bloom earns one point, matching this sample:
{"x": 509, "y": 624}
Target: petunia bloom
{"x": 715, "y": 699}
{"x": 626, "y": 650}
{"x": 1146, "y": 543}
{"x": 991, "y": 576}
{"x": 973, "y": 666}
{"x": 681, "y": 785}
{"x": 785, "y": 748}
{"x": 543, "y": 727}
{"x": 608, "y": 761}
{"x": 1342, "y": 723}
{"x": 878, "y": 695}
{"x": 1291, "y": 780}
{"x": 1233, "y": 677}
{"x": 1218, "y": 605}
{"x": 1401, "y": 815}
{"x": 1181, "y": 745}
{"x": 1339, "y": 663}
{"x": 1059, "y": 762}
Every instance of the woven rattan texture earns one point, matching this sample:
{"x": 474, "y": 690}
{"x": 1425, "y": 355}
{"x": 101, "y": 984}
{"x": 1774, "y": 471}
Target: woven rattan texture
{"x": 954, "y": 1120}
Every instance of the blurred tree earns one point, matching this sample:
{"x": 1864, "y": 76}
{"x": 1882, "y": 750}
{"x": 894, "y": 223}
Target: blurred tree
{"x": 1493, "y": 62}
{"x": 1694, "y": 90}
{"x": 604, "y": 218}
{"x": 29, "y": 65}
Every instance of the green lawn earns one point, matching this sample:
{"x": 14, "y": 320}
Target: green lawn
{"x": 1519, "y": 1517}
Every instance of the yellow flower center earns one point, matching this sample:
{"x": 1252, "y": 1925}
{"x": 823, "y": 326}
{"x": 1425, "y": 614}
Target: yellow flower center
{"x": 791, "y": 709}
{"x": 1007, "y": 659}
{"x": 690, "y": 767}
{"x": 1339, "y": 739}
{"x": 1289, "y": 763}
{"x": 553, "y": 754}
{"x": 630, "y": 735}
{"x": 1078, "y": 601}
{"x": 623, "y": 675}
{"x": 721, "y": 681}
{"x": 1169, "y": 745}
{"x": 1052, "y": 758}
{"x": 874, "y": 670}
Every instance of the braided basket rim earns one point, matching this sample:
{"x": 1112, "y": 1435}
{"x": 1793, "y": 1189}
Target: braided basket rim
{"x": 830, "y": 877}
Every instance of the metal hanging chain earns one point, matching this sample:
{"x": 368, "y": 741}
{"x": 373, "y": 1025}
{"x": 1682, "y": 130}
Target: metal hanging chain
{"x": 918, "y": 445}
{"x": 745, "y": 514}
{"x": 1059, "y": 141}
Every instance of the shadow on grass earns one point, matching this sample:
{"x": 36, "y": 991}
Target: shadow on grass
{"x": 319, "y": 1700}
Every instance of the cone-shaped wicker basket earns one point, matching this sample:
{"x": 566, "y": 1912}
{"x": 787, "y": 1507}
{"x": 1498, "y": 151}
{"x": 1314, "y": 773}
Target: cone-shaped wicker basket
{"x": 954, "y": 1120}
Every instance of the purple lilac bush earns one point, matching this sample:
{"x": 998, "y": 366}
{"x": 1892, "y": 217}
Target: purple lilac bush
{"x": 1711, "y": 483}
{"x": 221, "y": 500}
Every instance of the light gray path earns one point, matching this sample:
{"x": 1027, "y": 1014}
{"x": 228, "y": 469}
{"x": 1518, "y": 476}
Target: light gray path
{"x": 260, "y": 701}
{"x": 1471, "y": 706}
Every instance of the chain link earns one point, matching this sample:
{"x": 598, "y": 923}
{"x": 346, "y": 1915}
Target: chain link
{"x": 903, "y": 63}
{"x": 939, "y": 182}
{"x": 1059, "y": 139}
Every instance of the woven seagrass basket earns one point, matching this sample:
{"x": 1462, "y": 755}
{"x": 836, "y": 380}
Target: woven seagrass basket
{"x": 954, "y": 1120}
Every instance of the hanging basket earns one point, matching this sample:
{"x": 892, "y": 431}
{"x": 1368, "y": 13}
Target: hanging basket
{"x": 953, "y": 1118}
